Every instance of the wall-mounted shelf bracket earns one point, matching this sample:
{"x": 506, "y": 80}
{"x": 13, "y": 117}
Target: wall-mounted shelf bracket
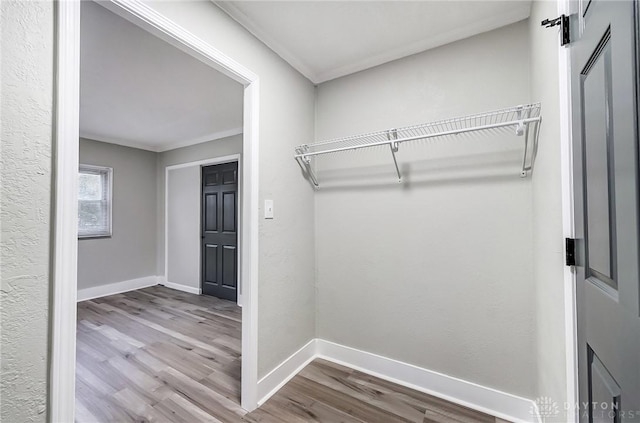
{"x": 520, "y": 125}
{"x": 529, "y": 150}
{"x": 392, "y": 135}
{"x": 524, "y": 120}
{"x": 305, "y": 163}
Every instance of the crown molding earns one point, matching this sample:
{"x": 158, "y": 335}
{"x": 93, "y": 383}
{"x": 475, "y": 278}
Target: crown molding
{"x": 456, "y": 34}
{"x": 247, "y": 23}
{"x": 111, "y": 140}
{"x": 199, "y": 140}
{"x": 484, "y": 25}
{"x": 162, "y": 148}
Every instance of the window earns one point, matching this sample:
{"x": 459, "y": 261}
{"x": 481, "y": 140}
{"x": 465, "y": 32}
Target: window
{"x": 94, "y": 201}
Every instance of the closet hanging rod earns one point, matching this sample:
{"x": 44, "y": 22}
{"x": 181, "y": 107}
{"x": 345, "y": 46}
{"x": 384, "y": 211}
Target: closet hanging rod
{"x": 417, "y": 137}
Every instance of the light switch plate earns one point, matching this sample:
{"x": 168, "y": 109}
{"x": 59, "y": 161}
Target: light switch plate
{"x": 268, "y": 209}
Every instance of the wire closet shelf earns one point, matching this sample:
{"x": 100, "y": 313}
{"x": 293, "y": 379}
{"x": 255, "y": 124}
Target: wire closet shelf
{"x": 523, "y": 119}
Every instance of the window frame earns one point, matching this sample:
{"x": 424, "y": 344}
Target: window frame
{"x": 108, "y": 172}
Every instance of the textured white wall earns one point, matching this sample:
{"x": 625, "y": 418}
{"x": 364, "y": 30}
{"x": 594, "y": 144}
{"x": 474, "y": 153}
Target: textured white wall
{"x": 437, "y": 271}
{"x": 286, "y": 298}
{"x": 183, "y": 228}
{"x": 548, "y": 243}
{"x": 130, "y": 251}
{"x": 26, "y": 106}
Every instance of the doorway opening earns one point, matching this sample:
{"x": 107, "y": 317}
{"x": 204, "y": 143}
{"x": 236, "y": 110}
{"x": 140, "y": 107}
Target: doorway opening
{"x": 63, "y": 367}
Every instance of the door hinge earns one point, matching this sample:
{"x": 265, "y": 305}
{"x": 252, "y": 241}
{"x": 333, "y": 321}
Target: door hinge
{"x": 570, "y": 251}
{"x": 563, "y": 22}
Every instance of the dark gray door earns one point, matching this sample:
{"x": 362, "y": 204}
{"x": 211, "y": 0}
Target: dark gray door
{"x": 605, "y": 159}
{"x": 219, "y": 255}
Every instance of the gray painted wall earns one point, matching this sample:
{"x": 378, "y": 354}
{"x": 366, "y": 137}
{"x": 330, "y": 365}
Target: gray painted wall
{"x": 130, "y": 252}
{"x": 183, "y": 226}
{"x": 208, "y": 150}
{"x": 26, "y": 110}
{"x": 138, "y": 213}
{"x": 286, "y": 297}
{"x": 437, "y": 271}
{"x": 184, "y": 208}
{"x": 548, "y": 243}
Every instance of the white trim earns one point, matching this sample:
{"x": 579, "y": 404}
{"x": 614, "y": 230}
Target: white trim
{"x": 205, "y": 138}
{"x": 204, "y": 162}
{"x": 145, "y": 17}
{"x": 116, "y": 288}
{"x": 180, "y": 287}
{"x": 212, "y": 160}
{"x": 488, "y": 24}
{"x": 247, "y": 23}
{"x": 250, "y": 251}
{"x": 62, "y": 376}
{"x": 162, "y": 148}
{"x": 285, "y": 371}
{"x": 487, "y": 400}
{"x": 65, "y": 239}
{"x": 117, "y": 141}
{"x": 491, "y": 401}
{"x": 568, "y": 227}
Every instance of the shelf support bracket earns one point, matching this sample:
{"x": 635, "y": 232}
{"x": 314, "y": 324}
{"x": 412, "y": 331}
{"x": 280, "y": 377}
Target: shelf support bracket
{"x": 526, "y": 168}
{"x": 392, "y": 134}
{"x": 520, "y": 127}
{"x": 305, "y": 162}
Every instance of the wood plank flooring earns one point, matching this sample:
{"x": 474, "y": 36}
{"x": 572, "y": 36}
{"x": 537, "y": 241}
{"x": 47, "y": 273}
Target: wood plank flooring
{"x": 160, "y": 355}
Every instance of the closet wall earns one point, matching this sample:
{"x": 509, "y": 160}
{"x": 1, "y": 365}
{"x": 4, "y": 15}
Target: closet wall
{"x": 436, "y": 271}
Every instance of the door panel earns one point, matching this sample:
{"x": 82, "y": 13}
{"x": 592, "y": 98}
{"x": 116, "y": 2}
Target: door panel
{"x": 598, "y": 156}
{"x": 219, "y": 230}
{"x": 211, "y": 212}
{"x": 229, "y": 176}
{"x": 604, "y": 393}
{"x": 229, "y": 266}
{"x": 210, "y": 179}
{"x": 229, "y": 212}
{"x": 211, "y": 263}
{"x": 605, "y": 160}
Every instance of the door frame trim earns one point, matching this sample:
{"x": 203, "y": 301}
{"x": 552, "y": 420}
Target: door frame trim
{"x": 237, "y": 158}
{"x": 568, "y": 222}
{"x": 61, "y": 400}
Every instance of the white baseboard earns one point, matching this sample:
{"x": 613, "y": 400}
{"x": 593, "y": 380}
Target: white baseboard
{"x": 285, "y": 371}
{"x": 491, "y": 401}
{"x": 180, "y": 287}
{"x": 468, "y": 394}
{"x": 116, "y": 288}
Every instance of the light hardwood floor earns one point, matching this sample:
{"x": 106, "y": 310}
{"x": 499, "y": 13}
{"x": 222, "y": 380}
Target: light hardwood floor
{"x": 160, "y": 355}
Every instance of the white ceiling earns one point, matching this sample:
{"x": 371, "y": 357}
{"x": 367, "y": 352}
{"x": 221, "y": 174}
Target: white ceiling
{"x": 324, "y": 40}
{"x": 138, "y": 90}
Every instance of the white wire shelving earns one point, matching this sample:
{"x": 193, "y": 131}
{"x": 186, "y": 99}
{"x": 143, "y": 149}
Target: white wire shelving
{"x": 524, "y": 120}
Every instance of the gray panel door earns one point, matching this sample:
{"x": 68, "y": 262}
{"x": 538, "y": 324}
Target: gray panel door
{"x": 605, "y": 160}
{"x": 219, "y": 255}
